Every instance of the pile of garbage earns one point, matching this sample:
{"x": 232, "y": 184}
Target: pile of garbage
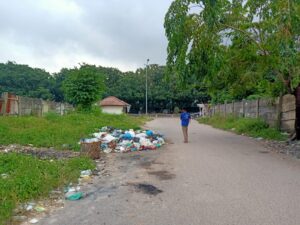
{"x": 121, "y": 141}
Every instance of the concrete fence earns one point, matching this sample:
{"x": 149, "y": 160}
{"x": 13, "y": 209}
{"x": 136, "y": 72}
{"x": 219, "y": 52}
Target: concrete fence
{"x": 11, "y": 104}
{"x": 278, "y": 112}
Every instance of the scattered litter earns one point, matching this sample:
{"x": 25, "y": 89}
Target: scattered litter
{"x": 85, "y": 172}
{"x": 39, "y": 208}
{"x": 259, "y": 138}
{"x": 73, "y": 196}
{"x": 29, "y": 207}
{"x": 4, "y": 175}
{"x": 116, "y": 140}
{"x": 19, "y": 218}
{"x": 33, "y": 221}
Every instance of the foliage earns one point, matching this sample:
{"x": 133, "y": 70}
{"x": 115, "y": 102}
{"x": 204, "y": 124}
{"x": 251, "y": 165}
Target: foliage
{"x": 59, "y": 131}
{"x": 235, "y": 48}
{"x": 249, "y": 126}
{"x": 25, "y": 81}
{"x": 84, "y": 86}
{"x": 24, "y": 182}
{"x": 162, "y": 93}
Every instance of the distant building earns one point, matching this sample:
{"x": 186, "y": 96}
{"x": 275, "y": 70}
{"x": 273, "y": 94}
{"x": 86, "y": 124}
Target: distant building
{"x": 113, "y": 105}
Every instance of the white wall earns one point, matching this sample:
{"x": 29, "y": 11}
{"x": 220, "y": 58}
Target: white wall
{"x": 112, "y": 109}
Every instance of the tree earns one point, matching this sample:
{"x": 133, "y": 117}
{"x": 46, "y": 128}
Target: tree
{"x": 236, "y": 48}
{"x": 84, "y": 86}
{"x": 25, "y": 81}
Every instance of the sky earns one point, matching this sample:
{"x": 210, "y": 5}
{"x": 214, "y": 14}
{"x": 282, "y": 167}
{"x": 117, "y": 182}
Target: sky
{"x": 55, "y": 34}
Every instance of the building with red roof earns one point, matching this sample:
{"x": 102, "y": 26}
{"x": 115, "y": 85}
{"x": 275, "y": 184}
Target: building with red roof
{"x": 113, "y": 105}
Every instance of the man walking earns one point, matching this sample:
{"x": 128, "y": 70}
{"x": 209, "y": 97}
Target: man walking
{"x": 185, "y": 118}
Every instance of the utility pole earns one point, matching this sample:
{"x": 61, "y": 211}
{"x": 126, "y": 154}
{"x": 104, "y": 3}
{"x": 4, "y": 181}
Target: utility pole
{"x": 147, "y": 86}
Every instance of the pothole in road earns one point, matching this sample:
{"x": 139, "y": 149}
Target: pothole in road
{"x": 147, "y": 188}
{"x": 162, "y": 174}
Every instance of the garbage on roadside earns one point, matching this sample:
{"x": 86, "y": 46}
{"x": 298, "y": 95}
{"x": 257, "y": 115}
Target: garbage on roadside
{"x": 73, "y": 193}
{"x": 33, "y": 221}
{"x": 73, "y": 196}
{"x": 39, "y": 208}
{"x": 116, "y": 140}
{"x": 4, "y": 175}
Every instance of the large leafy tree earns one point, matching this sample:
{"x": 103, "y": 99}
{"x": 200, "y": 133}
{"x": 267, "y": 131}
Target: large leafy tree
{"x": 84, "y": 86}
{"x": 25, "y": 81}
{"x": 236, "y": 48}
{"x": 162, "y": 94}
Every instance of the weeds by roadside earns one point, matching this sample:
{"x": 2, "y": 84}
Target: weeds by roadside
{"x": 250, "y": 126}
{"x": 25, "y": 178}
{"x": 58, "y": 131}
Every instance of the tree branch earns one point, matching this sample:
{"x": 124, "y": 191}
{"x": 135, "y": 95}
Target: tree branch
{"x": 248, "y": 35}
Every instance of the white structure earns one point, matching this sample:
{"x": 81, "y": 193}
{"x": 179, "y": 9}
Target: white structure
{"x": 113, "y": 105}
{"x": 202, "y": 109}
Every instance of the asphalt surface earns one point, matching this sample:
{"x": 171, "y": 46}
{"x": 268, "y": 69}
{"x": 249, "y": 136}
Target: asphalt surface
{"x": 219, "y": 178}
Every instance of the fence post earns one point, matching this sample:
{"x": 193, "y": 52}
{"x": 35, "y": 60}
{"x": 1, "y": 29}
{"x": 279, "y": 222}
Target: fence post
{"x": 233, "y": 107}
{"x": 243, "y": 107}
{"x": 225, "y": 108}
{"x": 18, "y": 102}
{"x": 257, "y": 108}
{"x": 4, "y": 104}
{"x": 279, "y": 112}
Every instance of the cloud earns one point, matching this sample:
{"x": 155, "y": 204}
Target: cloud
{"x": 52, "y": 34}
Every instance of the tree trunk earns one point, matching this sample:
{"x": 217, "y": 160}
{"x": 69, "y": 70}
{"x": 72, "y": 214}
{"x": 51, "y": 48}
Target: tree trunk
{"x": 297, "y": 121}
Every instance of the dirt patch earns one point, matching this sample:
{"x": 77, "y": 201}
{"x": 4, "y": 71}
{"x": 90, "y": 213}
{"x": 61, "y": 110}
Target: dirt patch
{"x": 162, "y": 174}
{"x": 42, "y": 153}
{"x": 146, "y": 165}
{"x": 147, "y": 189}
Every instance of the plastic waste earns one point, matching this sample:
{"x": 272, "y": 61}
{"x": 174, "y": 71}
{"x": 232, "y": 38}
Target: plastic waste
{"x": 85, "y": 172}
{"x": 39, "y": 208}
{"x": 127, "y": 136}
{"x": 108, "y": 138}
{"x": 73, "y": 196}
{"x": 121, "y": 141}
{"x": 4, "y": 175}
{"x": 149, "y": 133}
{"x": 33, "y": 221}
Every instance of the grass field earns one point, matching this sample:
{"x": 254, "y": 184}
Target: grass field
{"x": 249, "y": 126}
{"x": 58, "y": 131}
{"x": 28, "y": 178}
{"x": 25, "y": 178}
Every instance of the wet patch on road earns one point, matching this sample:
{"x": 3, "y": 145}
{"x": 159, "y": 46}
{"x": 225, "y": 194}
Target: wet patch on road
{"x": 162, "y": 175}
{"x": 147, "y": 188}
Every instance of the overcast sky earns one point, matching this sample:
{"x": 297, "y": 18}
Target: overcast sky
{"x": 52, "y": 34}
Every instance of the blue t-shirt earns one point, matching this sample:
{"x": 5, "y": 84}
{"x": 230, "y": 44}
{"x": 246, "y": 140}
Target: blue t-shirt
{"x": 185, "y": 119}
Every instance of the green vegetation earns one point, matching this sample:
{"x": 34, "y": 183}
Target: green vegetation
{"x": 55, "y": 131}
{"x": 24, "y": 178}
{"x": 249, "y": 126}
{"x": 84, "y": 86}
{"x": 25, "y": 81}
{"x": 128, "y": 86}
{"x": 235, "y": 49}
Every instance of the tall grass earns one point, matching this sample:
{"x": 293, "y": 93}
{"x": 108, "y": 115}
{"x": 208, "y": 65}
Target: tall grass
{"x": 29, "y": 178}
{"x": 250, "y": 126}
{"x": 57, "y": 131}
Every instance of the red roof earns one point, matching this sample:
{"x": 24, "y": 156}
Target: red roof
{"x": 112, "y": 101}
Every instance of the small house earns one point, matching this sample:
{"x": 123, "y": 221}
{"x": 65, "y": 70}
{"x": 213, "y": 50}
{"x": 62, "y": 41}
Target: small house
{"x": 113, "y": 105}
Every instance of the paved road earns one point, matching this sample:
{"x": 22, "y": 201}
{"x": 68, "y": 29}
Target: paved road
{"x": 219, "y": 178}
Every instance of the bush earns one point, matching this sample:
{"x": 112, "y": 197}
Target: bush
{"x": 29, "y": 178}
{"x": 249, "y": 126}
{"x": 54, "y": 130}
